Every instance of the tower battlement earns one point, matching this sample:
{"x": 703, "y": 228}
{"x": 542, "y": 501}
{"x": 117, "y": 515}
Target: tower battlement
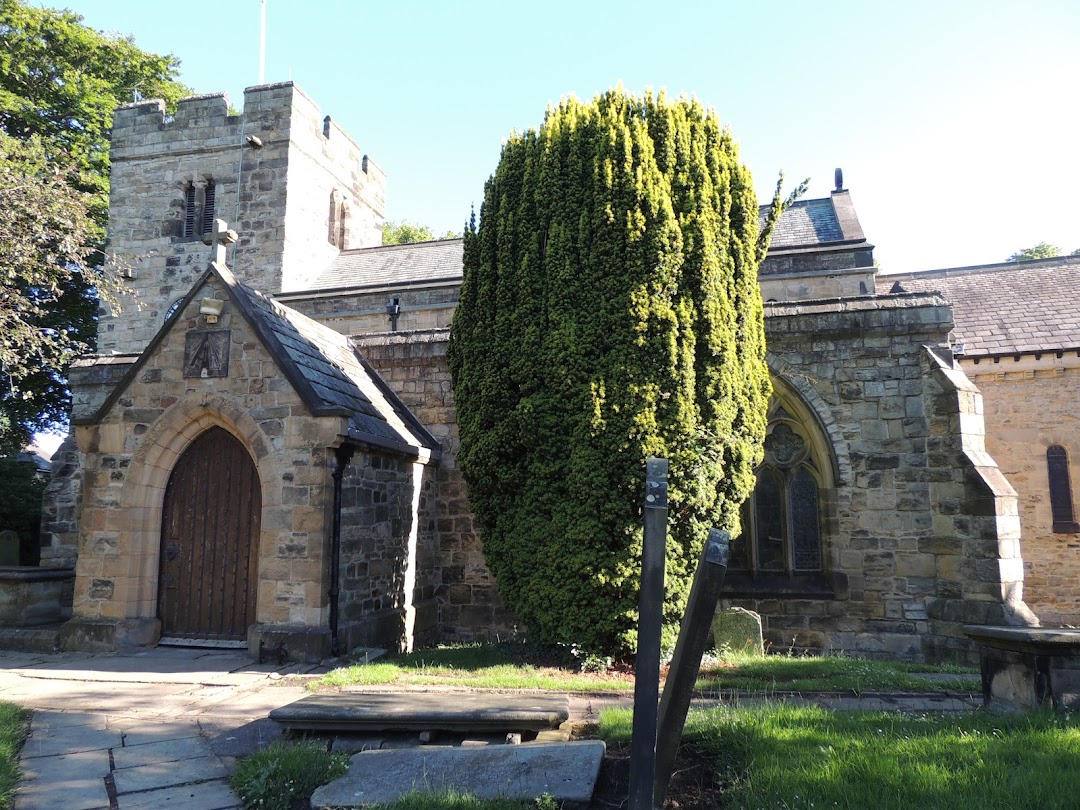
{"x": 293, "y": 183}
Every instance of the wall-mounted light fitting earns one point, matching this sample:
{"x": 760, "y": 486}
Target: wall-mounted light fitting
{"x": 211, "y": 308}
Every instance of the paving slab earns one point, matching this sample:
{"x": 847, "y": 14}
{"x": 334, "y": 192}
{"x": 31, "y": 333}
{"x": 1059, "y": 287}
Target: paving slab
{"x": 204, "y": 796}
{"x": 169, "y": 751}
{"x": 226, "y": 739}
{"x": 404, "y": 711}
{"x": 167, "y": 774}
{"x": 69, "y": 781}
{"x": 49, "y": 741}
{"x": 137, "y": 731}
{"x": 48, "y": 720}
{"x": 566, "y": 771}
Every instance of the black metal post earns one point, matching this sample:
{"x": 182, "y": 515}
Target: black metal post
{"x": 686, "y": 662}
{"x": 650, "y": 616}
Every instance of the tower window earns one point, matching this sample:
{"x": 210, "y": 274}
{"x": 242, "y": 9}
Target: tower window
{"x": 200, "y": 206}
{"x": 208, "y": 207}
{"x": 189, "y": 210}
{"x": 1061, "y": 504}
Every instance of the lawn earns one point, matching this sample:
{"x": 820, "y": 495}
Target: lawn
{"x": 513, "y": 665}
{"x": 784, "y": 756}
{"x": 12, "y": 732}
{"x": 829, "y": 673}
{"x": 507, "y": 665}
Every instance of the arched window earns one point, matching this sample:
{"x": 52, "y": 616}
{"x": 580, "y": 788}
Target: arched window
{"x": 1061, "y": 504}
{"x": 343, "y": 226}
{"x": 782, "y": 518}
{"x": 332, "y": 230}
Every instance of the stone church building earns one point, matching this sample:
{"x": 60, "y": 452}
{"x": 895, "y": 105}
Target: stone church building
{"x": 263, "y": 452}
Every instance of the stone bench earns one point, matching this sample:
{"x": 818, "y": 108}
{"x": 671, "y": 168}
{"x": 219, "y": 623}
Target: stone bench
{"x": 1028, "y": 668}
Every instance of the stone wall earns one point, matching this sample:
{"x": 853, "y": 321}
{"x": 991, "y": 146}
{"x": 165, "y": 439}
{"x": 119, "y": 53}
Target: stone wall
{"x": 914, "y": 503}
{"x": 389, "y": 554}
{"x": 363, "y": 312}
{"x": 414, "y": 365}
{"x": 282, "y": 214}
{"x": 1030, "y": 404}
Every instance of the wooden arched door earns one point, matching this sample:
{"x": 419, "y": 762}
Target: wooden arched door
{"x": 209, "y": 541}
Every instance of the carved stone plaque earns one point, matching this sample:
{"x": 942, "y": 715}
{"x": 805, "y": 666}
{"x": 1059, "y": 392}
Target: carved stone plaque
{"x": 206, "y": 354}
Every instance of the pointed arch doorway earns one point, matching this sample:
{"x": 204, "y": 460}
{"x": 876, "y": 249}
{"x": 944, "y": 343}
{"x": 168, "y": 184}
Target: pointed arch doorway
{"x": 209, "y": 539}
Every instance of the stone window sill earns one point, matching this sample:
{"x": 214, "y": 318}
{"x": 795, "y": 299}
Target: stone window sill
{"x": 771, "y": 585}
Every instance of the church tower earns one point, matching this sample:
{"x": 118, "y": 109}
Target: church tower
{"x": 294, "y": 185}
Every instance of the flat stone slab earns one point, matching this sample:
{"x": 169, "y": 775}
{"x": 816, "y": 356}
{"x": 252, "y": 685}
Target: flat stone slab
{"x": 1035, "y": 640}
{"x": 412, "y": 711}
{"x": 567, "y": 771}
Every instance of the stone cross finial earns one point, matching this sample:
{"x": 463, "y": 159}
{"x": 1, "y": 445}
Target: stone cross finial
{"x": 219, "y": 240}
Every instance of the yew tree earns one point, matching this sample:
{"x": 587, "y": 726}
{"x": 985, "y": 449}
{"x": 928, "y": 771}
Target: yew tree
{"x": 609, "y": 312}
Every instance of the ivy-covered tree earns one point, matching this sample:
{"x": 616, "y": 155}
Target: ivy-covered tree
{"x": 609, "y": 312}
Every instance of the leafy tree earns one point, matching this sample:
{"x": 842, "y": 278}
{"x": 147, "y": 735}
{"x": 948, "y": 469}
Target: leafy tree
{"x": 609, "y": 312}
{"x": 59, "y": 84}
{"x": 401, "y": 233}
{"x": 61, "y": 81}
{"x": 1043, "y": 250}
{"x": 20, "y": 505}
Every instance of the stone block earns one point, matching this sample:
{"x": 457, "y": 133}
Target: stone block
{"x": 739, "y": 630}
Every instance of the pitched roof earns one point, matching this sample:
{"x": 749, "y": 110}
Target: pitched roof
{"x": 330, "y": 376}
{"x": 420, "y": 262}
{"x": 1006, "y": 308}
{"x": 807, "y": 222}
{"x": 324, "y": 369}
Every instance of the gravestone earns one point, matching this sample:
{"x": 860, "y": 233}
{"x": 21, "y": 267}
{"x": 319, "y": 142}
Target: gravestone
{"x": 738, "y": 630}
{"x": 9, "y": 547}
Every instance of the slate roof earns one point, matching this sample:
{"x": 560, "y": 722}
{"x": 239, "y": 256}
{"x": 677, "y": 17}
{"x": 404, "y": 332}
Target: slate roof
{"x": 1004, "y": 309}
{"x": 422, "y": 262}
{"x": 330, "y": 375}
{"x": 807, "y": 222}
{"x": 324, "y": 369}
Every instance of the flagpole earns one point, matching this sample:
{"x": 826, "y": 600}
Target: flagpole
{"x": 262, "y": 44}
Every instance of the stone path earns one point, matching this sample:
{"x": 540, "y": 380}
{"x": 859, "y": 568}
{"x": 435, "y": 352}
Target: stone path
{"x": 152, "y": 729}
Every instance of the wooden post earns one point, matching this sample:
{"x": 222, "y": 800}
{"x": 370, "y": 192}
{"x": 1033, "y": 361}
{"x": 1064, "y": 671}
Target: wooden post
{"x": 650, "y": 617}
{"x": 686, "y": 663}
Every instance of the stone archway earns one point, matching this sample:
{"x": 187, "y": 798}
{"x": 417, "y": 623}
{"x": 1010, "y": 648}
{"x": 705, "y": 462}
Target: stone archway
{"x": 211, "y": 515}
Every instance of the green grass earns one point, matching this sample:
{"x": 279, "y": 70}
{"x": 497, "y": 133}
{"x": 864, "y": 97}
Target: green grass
{"x": 522, "y": 666}
{"x": 13, "y": 727}
{"x": 479, "y": 666}
{"x": 271, "y": 778}
{"x": 453, "y": 800}
{"x": 783, "y": 756}
{"x": 828, "y": 673}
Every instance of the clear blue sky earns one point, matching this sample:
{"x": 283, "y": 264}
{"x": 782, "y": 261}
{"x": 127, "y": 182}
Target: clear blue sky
{"x": 956, "y": 123}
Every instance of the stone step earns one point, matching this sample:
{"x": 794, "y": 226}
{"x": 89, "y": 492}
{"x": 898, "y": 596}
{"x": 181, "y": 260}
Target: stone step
{"x": 42, "y": 638}
{"x": 566, "y": 771}
{"x": 423, "y": 711}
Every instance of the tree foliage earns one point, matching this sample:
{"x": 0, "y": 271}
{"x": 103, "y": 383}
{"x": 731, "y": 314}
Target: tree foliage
{"x": 402, "y": 233}
{"x": 59, "y": 84}
{"x": 1043, "y": 250}
{"x": 609, "y": 312}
